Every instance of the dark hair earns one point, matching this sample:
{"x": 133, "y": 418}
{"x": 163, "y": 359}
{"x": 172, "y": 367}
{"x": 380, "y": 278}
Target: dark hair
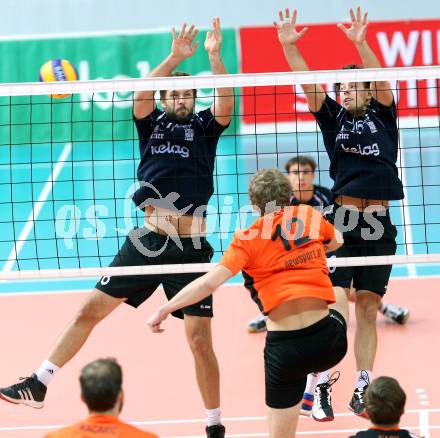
{"x": 101, "y": 383}
{"x": 385, "y": 401}
{"x": 300, "y": 160}
{"x": 352, "y": 67}
{"x": 176, "y": 74}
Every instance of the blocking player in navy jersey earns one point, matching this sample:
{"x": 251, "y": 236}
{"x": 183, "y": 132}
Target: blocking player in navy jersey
{"x": 385, "y": 404}
{"x": 301, "y": 171}
{"x": 175, "y": 173}
{"x": 361, "y": 138}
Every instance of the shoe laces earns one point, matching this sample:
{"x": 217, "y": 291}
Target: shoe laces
{"x": 23, "y": 384}
{"x": 363, "y": 377}
{"x": 323, "y": 389}
{"x": 361, "y": 391}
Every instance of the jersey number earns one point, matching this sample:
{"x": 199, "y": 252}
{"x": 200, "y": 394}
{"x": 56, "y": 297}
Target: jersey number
{"x": 285, "y": 240}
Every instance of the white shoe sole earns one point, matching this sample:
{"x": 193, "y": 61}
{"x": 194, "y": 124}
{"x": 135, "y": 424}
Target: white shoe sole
{"x": 31, "y": 403}
{"x": 324, "y": 419}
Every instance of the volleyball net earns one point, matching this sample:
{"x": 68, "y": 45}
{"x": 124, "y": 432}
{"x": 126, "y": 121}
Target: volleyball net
{"x": 68, "y": 167}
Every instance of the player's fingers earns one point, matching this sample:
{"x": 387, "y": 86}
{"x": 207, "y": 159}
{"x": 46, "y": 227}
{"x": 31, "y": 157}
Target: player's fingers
{"x": 287, "y": 13}
{"x": 342, "y": 27}
{"x": 217, "y": 26}
{"x": 173, "y": 32}
{"x": 352, "y": 15}
{"x": 294, "y": 15}
{"x": 358, "y": 13}
{"x": 182, "y": 31}
{"x": 280, "y": 15}
{"x": 189, "y": 32}
{"x": 364, "y": 20}
{"x": 302, "y": 32}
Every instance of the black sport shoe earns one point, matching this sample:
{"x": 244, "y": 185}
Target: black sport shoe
{"x": 216, "y": 431}
{"x": 396, "y": 313}
{"x": 29, "y": 392}
{"x": 258, "y": 324}
{"x": 322, "y": 408}
{"x": 357, "y": 404}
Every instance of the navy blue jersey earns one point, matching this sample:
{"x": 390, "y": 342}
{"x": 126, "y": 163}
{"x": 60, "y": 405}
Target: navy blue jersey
{"x": 177, "y": 159}
{"x": 322, "y": 197}
{"x": 382, "y": 433}
{"x": 362, "y": 150}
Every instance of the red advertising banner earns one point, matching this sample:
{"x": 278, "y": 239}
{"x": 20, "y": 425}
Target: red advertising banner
{"x": 325, "y": 47}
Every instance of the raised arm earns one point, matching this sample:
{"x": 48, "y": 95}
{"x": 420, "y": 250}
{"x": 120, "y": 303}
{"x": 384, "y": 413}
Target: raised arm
{"x": 288, "y": 36}
{"x": 190, "y": 294}
{"x": 357, "y": 33}
{"x": 182, "y": 47}
{"x": 224, "y": 97}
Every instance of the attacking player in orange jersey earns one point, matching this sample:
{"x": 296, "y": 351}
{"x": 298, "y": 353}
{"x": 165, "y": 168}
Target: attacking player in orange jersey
{"x": 282, "y": 258}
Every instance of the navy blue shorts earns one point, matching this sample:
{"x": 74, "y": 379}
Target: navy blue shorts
{"x": 290, "y": 355}
{"x": 140, "y": 249}
{"x": 372, "y": 235}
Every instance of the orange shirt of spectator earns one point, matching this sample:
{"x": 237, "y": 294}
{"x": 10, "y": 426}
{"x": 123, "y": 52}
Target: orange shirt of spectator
{"x": 100, "y": 426}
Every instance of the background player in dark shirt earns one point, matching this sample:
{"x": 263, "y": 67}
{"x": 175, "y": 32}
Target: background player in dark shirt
{"x": 177, "y": 161}
{"x": 361, "y": 138}
{"x": 301, "y": 171}
{"x": 385, "y": 404}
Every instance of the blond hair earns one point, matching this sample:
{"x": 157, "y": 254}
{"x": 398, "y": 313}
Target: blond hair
{"x": 269, "y": 190}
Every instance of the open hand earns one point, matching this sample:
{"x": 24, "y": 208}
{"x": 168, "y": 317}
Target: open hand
{"x": 358, "y": 29}
{"x": 287, "y": 33}
{"x": 213, "y": 39}
{"x": 182, "y": 46}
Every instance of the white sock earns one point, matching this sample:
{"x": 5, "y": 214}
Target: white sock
{"x": 324, "y": 377}
{"x": 214, "y": 416}
{"x": 46, "y": 372}
{"x": 312, "y": 381}
{"x": 363, "y": 378}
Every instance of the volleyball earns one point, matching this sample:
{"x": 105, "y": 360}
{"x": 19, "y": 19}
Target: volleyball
{"x": 58, "y": 70}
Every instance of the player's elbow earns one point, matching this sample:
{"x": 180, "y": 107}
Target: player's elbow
{"x": 142, "y": 105}
{"x": 335, "y": 243}
{"x": 209, "y": 284}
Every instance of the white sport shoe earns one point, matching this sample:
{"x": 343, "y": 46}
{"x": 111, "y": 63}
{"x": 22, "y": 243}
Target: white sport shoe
{"x": 322, "y": 407}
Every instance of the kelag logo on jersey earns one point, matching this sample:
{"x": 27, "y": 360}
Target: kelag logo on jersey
{"x": 169, "y": 148}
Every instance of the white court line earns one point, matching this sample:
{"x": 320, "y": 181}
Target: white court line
{"x": 48, "y": 186}
{"x": 309, "y": 432}
{"x": 45, "y": 292}
{"x": 424, "y": 424}
{"x": 244, "y": 435}
{"x": 225, "y": 420}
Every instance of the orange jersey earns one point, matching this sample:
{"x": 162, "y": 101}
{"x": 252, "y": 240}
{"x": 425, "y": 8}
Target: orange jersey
{"x": 282, "y": 257}
{"x": 100, "y": 426}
